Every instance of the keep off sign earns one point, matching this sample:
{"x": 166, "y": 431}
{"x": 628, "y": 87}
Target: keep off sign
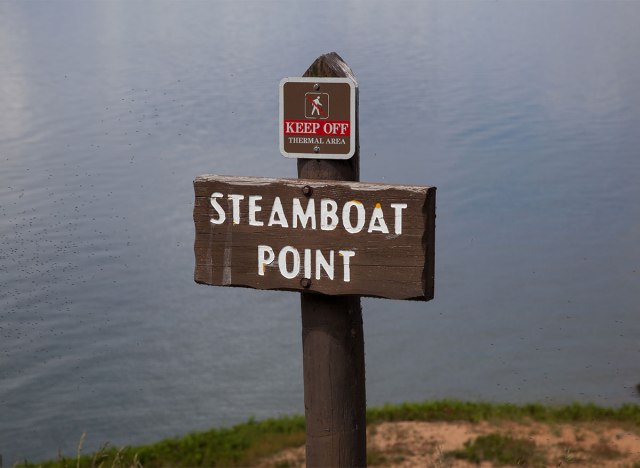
{"x": 317, "y": 118}
{"x": 329, "y": 237}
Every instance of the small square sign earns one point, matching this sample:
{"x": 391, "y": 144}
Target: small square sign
{"x": 318, "y": 118}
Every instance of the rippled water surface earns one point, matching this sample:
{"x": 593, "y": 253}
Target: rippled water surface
{"x": 526, "y": 116}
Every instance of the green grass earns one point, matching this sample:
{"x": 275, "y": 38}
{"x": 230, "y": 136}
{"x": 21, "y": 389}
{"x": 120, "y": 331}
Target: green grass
{"x": 452, "y": 410}
{"x": 241, "y": 445}
{"x": 246, "y": 443}
{"x": 500, "y": 449}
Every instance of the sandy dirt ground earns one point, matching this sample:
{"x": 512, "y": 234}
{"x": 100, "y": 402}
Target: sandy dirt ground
{"x": 427, "y": 444}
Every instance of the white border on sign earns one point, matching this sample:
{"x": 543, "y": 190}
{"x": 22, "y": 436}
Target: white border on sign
{"x": 352, "y": 118}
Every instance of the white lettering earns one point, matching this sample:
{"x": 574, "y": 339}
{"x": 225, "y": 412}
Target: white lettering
{"x": 216, "y": 206}
{"x": 305, "y": 216}
{"x": 322, "y": 264}
{"x": 328, "y": 217}
{"x": 282, "y": 262}
{"x": 346, "y": 255}
{"x": 289, "y": 262}
{"x": 335, "y": 128}
{"x": 302, "y": 127}
{"x": 253, "y": 209}
{"x": 265, "y": 257}
{"x": 276, "y": 210}
{"x": 315, "y": 141}
{"x": 377, "y": 222}
{"x": 308, "y": 214}
{"x": 235, "y": 200}
{"x": 398, "y": 207}
{"x": 346, "y": 216}
{"x": 307, "y": 263}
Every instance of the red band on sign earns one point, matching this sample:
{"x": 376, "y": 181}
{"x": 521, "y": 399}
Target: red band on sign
{"x": 317, "y": 127}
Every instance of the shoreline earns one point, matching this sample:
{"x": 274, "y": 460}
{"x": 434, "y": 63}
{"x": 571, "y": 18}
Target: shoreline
{"x": 390, "y": 430}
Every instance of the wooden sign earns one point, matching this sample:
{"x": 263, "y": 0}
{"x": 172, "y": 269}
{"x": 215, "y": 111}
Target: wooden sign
{"x": 334, "y": 238}
{"x": 317, "y": 118}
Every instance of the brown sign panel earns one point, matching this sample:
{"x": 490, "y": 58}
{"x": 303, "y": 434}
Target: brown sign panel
{"x": 327, "y": 237}
{"x": 317, "y": 118}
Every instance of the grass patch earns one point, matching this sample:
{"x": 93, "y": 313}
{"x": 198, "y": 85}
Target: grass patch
{"x": 241, "y": 445}
{"x": 500, "y": 449}
{"x": 245, "y": 444}
{"x": 453, "y": 410}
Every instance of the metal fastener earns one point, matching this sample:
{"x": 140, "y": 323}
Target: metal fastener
{"x": 316, "y": 86}
{"x": 305, "y": 282}
{"x": 307, "y": 190}
{"x": 316, "y": 149}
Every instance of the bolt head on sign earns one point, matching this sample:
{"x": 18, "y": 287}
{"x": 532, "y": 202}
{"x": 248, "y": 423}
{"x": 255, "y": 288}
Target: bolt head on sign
{"x": 318, "y": 118}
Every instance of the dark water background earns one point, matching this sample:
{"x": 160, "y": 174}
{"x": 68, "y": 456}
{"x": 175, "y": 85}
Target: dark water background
{"x": 526, "y": 116}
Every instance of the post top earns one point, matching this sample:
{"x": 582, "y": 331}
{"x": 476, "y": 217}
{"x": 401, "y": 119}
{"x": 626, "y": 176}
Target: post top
{"x": 330, "y": 65}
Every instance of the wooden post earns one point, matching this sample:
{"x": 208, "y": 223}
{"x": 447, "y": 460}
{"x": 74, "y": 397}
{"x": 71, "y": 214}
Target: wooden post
{"x": 332, "y": 334}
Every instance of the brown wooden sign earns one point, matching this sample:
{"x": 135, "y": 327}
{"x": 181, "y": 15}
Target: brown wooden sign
{"x": 317, "y": 118}
{"x": 334, "y": 238}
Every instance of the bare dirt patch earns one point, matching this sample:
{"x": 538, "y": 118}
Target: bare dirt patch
{"x": 429, "y": 444}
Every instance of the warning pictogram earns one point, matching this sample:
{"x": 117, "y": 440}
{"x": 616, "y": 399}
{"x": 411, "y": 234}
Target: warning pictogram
{"x": 317, "y": 118}
{"x": 316, "y": 105}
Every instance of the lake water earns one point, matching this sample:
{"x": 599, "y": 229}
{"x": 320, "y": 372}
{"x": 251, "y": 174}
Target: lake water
{"x": 526, "y": 116}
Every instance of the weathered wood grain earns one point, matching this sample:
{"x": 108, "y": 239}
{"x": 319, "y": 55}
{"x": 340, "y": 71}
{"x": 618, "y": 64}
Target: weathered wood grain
{"x": 331, "y": 65}
{"x": 389, "y": 265}
{"x": 335, "y": 400}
